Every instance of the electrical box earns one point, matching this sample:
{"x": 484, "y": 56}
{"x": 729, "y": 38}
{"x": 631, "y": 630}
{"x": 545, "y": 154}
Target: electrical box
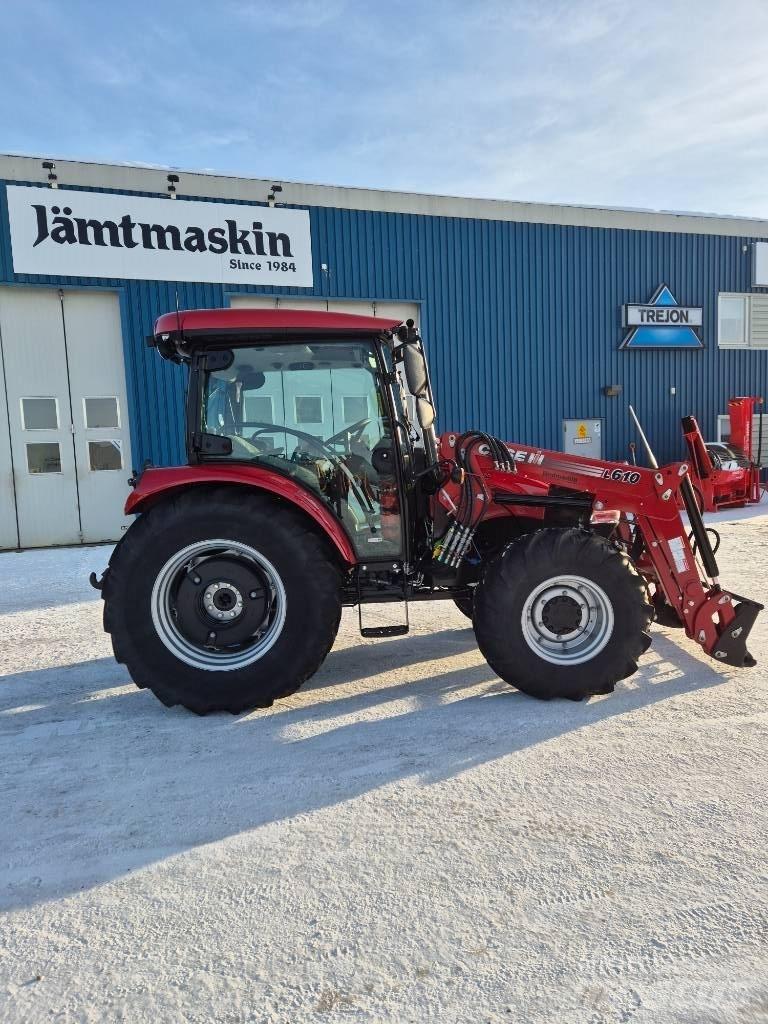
{"x": 583, "y": 437}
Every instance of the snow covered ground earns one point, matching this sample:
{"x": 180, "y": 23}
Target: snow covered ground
{"x": 407, "y": 839}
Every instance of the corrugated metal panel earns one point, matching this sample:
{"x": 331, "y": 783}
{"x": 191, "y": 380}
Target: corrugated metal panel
{"x": 521, "y": 322}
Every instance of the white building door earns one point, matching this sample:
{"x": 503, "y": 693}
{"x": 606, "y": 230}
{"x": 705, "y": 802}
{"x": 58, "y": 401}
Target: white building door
{"x": 40, "y": 416}
{"x": 66, "y": 431}
{"x": 99, "y": 412}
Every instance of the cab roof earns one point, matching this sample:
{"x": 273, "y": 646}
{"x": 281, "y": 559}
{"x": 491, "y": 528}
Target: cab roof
{"x": 268, "y": 321}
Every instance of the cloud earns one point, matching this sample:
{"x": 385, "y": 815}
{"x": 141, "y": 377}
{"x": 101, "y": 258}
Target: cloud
{"x": 591, "y": 101}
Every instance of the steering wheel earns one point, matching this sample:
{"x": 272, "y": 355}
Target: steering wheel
{"x": 324, "y": 449}
{"x": 274, "y": 428}
{"x": 355, "y": 432}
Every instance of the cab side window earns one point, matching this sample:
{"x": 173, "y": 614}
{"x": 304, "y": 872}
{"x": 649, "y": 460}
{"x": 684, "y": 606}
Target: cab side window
{"x": 316, "y": 413}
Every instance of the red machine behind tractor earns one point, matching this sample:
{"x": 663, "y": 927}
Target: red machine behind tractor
{"x": 724, "y": 474}
{"x": 316, "y": 480}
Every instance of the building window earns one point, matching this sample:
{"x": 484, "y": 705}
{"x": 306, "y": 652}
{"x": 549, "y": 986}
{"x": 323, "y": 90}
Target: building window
{"x": 101, "y": 412}
{"x": 105, "y": 455}
{"x": 258, "y": 408}
{"x": 742, "y": 321}
{"x": 40, "y": 413}
{"x": 309, "y": 409}
{"x": 44, "y": 457}
{"x": 354, "y": 408}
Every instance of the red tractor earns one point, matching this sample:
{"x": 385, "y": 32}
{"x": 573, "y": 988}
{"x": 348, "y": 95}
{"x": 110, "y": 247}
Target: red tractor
{"x": 316, "y": 480}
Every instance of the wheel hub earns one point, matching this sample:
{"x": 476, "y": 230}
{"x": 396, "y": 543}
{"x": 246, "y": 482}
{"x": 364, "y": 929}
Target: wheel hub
{"x": 567, "y": 620}
{"x": 222, "y": 600}
{"x": 562, "y": 614}
{"x": 218, "y": 605}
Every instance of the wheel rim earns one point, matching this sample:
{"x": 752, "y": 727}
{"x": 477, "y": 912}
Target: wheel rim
{"x": 218, "y": 605}
{"x": 567, "y": 620}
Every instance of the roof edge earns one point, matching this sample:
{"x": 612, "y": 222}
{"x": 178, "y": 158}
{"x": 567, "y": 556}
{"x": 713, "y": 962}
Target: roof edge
{"x": 207, "y": 185}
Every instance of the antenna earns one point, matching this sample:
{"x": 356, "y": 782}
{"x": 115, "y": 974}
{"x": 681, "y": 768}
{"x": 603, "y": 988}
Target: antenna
{"x": 644, "y": 439}
{"x": 178, "y": 315}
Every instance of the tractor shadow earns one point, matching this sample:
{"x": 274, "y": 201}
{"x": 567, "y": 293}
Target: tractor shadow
{"x": 101, "y": 780}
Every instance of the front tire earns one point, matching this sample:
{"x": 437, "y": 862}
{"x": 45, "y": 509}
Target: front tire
{"x": 221, "y": 600}
{"x": 562, "y": 613}
{"x": 465, "y": 601}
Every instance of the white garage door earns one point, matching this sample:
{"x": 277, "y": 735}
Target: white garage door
{"x": 64, "y": 443}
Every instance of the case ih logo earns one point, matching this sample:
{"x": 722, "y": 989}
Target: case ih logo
{"x": 661, "y": 323}
{"x": 89, "y": 234}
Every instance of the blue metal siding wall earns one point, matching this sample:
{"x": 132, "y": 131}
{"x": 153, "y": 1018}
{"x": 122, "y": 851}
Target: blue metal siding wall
{"x": 521, "y": 322}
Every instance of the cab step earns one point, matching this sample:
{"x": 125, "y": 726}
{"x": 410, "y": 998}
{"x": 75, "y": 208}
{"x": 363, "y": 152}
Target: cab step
{"x": 380, "y": 585}
{"x": 377, "y": 632}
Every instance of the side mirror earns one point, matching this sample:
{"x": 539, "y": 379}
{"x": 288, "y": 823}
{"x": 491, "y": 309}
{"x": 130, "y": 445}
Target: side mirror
{"x": 425, "y": 411}
{"x": 415, "y": 369}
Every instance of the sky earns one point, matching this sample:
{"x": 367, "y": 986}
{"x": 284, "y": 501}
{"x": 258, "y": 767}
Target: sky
{"x": 597, "y": 102}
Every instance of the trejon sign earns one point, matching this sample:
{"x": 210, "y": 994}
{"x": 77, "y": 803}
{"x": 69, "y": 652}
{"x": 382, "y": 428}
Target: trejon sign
{"x": 94, "y": 234}
{"x": 661, "y": 323}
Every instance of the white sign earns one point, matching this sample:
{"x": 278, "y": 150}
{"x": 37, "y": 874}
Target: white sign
{"x": 94, "y": 234}
{"x": 760, "y": 265}
{"x": 666, "y": 316}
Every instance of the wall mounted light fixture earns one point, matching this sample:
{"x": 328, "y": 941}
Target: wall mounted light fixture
{"x": 50, "y": 166}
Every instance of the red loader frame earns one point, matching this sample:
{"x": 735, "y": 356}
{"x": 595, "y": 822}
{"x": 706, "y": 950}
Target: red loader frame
{"x": 643, "y": 506}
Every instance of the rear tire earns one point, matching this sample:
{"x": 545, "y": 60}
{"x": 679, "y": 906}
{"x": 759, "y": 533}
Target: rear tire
{"x": 221, "y": 600}
{"x": 562, "y": 613}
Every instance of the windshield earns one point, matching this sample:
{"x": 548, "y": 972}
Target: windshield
{"x": 316, "y": 412}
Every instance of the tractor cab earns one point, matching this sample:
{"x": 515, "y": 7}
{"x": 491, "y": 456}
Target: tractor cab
{"x": 325, "y": 403}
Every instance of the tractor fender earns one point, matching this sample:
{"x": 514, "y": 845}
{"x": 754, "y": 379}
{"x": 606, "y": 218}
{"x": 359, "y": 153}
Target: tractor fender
{"x": 156, "y": 484}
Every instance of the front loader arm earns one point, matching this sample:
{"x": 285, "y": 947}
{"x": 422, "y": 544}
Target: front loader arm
{"x": 651, "y": 527}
